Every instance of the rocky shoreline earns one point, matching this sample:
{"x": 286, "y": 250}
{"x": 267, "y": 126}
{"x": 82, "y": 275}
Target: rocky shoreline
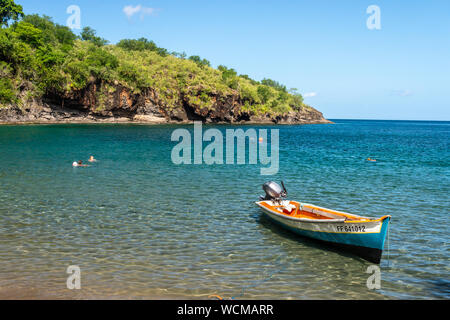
{"x": 56, "y": 115}
{"x": 94, "y": 104}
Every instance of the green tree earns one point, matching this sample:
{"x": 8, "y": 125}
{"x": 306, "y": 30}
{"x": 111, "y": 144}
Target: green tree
{"x": 142, "y": 44}
{"x": 89, "y": 34}
{"x": 100, "y": 62}
{"x": 274, "y": 84}
{"x": 7, "y": 93}
{"x": 264, "y": 93}
{"x": 52, "y": 33}
{"x": 297, "y": 101}
{"x": 181, "y": 55}
{"x": 9, "y": 11}
{"x": 199, "y": 61}
{"x": 245, "y": 76}
{"x": 64, "y": 35}
{"x": 50, "y": 56}
{"x": 227, "y": 73}
{"x": 29, "y": 33}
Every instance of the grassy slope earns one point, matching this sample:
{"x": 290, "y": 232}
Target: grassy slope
{"x": 38, "y": 57}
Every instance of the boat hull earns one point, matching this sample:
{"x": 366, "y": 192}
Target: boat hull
{"x": 365, "y": 239}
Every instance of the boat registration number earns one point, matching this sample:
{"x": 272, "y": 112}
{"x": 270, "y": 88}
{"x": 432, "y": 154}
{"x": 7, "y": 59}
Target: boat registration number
{"x": 351, "y": 228}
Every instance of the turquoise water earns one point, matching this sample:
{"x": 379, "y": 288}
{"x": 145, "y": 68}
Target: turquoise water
{"x": 141, "y": 227}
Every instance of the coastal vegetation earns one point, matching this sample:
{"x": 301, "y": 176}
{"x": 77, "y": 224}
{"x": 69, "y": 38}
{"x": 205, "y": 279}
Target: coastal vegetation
{"x": 40, "y": 58}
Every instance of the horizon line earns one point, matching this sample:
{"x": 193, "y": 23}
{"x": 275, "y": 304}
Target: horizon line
{"x": 365, "y": 119}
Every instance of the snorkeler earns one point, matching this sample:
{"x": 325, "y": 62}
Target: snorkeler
{"x": 79, "y": 164}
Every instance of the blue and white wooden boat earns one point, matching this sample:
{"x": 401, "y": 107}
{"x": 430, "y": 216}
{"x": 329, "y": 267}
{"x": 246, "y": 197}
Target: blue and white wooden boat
{"x": 363, "y": 236}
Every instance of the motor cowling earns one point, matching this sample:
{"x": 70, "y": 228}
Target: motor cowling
{"x": 274, "y": 191}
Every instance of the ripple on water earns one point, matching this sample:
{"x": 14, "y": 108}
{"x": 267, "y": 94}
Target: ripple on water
{"x": 141, "y": 227}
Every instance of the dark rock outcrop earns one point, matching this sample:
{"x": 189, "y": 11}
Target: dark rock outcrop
{"x": 105, "y": 102}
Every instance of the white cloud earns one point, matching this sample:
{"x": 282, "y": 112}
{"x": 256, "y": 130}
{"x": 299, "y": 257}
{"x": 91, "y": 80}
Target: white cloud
{"x": 310, "y": 94}
{"x": 130, "y": 11}
{"x": 148, "y": 11}
{"x": 402, "y": 93}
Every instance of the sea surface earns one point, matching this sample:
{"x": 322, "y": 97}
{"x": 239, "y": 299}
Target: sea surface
{"x": 140, "y": 227}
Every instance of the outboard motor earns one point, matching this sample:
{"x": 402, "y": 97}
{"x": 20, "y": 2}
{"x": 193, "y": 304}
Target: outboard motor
{"x": 274, "y": 191}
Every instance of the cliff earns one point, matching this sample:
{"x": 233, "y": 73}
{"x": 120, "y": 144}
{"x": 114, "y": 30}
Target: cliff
{"x": 119, "y": 104}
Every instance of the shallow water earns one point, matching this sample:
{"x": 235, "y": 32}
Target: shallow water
{"x": 141, "y": 227}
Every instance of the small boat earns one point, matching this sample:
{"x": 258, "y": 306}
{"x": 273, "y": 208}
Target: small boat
{"x": 363, "y": 236}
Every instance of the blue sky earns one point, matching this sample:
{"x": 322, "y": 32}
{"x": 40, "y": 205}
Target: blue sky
{"x": 323, "y": 48}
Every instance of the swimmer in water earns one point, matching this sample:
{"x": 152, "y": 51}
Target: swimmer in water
{"x": 92, "y": 159}
{"x": 79, "y": 164}
{"x": 370, "y": 159}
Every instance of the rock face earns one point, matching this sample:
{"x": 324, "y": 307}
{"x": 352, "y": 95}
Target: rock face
{"x": 102, "y": 102}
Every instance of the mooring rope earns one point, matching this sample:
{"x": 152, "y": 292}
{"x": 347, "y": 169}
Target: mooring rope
{"x": 388, "y": 239}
